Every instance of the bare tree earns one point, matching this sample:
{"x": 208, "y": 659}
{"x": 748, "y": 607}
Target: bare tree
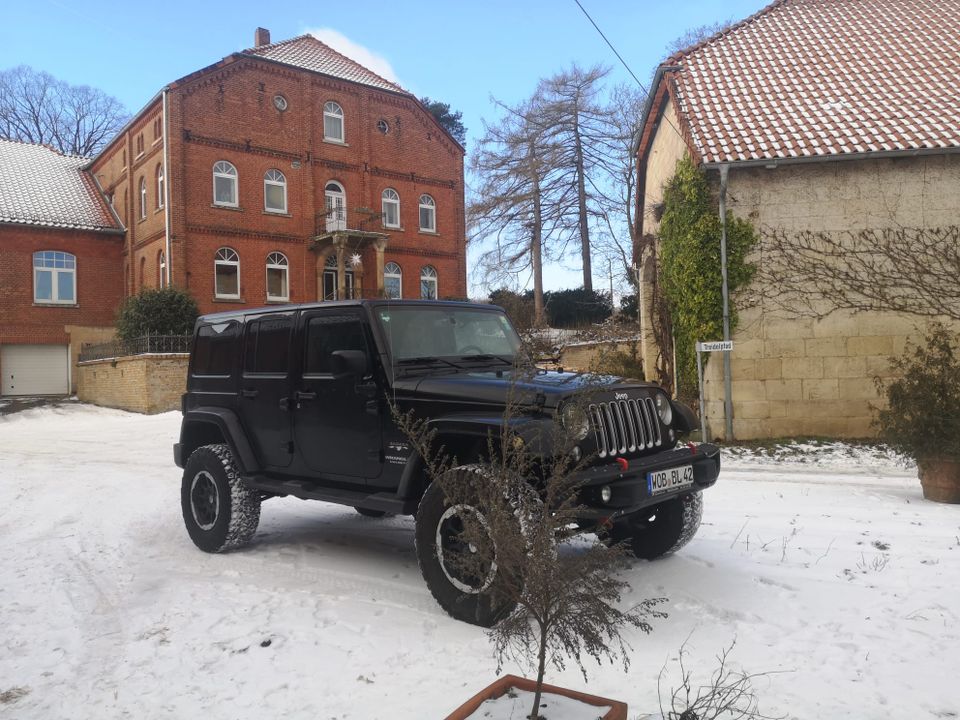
{"x": 75, "y": 119}
{"x": 514, "y": 208}
{"x": 578, "y": 127}
{"x": 696, "y": 35}
{"x": 559, "y": 602}
{"x": 907, "y": 270}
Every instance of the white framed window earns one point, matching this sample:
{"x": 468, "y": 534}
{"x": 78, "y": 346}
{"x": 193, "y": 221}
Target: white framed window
{"x": 159, "y": 186}
{"x": 54, "y": 277}
{"x": 333, "y": 122}
{"x": 278, "y": 277}
{"x": 143, "y": 198}
{"x": 390, "y": 205}
{"x": 392, "y": 281}
{"x": 274, "y": 191}
{"x": 428, "y": 214}
{"x": 161, "y": 269}
{"x": 226, "y": 270}
{"x": 224, "y": 184}
{"x": 336, "y": 204}
{"x": 428, "y": 282}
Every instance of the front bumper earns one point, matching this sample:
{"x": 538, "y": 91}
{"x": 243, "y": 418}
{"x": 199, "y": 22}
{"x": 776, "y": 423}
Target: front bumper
{"x": 629, "y": 490}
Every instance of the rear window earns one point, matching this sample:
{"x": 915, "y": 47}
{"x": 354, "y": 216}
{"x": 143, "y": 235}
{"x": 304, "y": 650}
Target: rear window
{"x": 214, "y": 349}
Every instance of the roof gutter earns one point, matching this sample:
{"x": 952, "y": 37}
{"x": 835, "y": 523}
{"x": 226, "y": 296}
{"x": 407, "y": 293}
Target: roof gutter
{"x": 648, "y": 103}
{"x": 772, "y": 163}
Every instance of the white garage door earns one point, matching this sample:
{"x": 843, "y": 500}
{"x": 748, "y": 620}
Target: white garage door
{"x": 34, "y": 369}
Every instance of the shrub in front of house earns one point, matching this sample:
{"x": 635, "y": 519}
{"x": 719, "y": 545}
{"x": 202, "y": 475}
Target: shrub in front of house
{"x": 922, "y": 417}
{"x": 162, "y": 311}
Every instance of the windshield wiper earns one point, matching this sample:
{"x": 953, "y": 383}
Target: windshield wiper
{"x": 485, "y": 359}
{"x": 426, "y": 360}
{"x": 425, "y": 363}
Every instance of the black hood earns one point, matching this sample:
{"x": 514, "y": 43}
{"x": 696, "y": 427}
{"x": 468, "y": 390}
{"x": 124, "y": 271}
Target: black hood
{"x": 492, "y": 387}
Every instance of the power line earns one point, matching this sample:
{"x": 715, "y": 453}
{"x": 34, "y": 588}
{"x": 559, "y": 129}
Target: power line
{"x": 610, "y": 44}
{"x": 624, "y": 63}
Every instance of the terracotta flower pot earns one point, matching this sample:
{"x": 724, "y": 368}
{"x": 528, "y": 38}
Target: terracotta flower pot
{"x": 940, "y": 480}
{"x": 618, "y": 710}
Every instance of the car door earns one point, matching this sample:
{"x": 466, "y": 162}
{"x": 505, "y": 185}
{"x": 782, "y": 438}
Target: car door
{"x": 265, "y": 387}
{"x": 336, "y": 418}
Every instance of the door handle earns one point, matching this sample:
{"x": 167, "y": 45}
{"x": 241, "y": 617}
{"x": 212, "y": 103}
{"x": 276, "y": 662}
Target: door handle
{"x": 301, "y": 395}
{"x": 249, "y": 393}
{"x": 285, "y": 403}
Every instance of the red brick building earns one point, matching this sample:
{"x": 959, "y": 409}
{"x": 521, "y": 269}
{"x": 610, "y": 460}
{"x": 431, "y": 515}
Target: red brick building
{"x": 295, "y": 175}
{"x": 283, "y": 173}
{"x": 60, "y": 267}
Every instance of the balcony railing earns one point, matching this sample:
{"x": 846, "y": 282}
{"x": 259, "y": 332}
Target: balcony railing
{"x": 340, "y": 219}
{"x": 145, "y": 345}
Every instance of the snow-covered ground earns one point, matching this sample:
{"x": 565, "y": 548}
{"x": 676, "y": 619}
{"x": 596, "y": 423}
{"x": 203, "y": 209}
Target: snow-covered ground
{"x": 834, "y": 575}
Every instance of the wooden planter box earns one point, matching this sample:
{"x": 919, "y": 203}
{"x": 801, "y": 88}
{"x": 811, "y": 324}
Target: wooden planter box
{"x": 618, "y": 710}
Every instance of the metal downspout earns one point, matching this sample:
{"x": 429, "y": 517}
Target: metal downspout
{"x": 166, "y": 189}
{"x": 727, "y": 376}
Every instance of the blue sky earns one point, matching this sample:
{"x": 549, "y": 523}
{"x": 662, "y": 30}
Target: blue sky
{"x": 461, "y": 53}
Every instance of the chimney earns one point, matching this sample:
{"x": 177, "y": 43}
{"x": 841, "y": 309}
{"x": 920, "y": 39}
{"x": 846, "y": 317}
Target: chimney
{"x": 261, "y": 37}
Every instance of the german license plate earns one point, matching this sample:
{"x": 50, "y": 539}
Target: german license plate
{"x": 663, "y": 481}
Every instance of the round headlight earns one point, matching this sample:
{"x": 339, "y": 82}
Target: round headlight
{"x": 575, "y": 421}
{"x": 664, "y": 410}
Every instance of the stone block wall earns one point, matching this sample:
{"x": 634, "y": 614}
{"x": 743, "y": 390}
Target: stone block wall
{"x": 801, "y": 376}
{"x": 140, "y": 383}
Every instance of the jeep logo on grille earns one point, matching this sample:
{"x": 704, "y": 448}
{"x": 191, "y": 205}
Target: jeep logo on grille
{"x": 620, "y": 396}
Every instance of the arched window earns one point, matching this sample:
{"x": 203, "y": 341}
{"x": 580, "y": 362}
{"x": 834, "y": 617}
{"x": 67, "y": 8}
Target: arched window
{"x": 390, "y": 204}
{"x": 428, "y": 214}
{"x": 143, "y": 198}
{"x": 160, "y": 188}
{"x": 224, "y": 184}
{"x": 274, "y": 192}
{"x": 336, "y": 204}
{"x": 226, "y": 269}
{"x": 333, "y": 122}
{"x": 392, "y": 281}
{"x": 428, "y": 282}
{"x": 161, "y": 269}
{"x": 54, "y": 277}
{"x": 278, "y": 286}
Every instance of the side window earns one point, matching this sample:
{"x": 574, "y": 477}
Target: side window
{"x": 267, "y": 347}
{"x": 325, "y": 335}
{"x": 213, "y": 349}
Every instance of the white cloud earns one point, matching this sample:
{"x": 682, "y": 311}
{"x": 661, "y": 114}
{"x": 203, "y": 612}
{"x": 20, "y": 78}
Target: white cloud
{"x": 356, "y": 52}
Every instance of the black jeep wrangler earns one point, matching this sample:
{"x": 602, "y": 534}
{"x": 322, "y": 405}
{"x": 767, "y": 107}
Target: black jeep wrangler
{"x": 295, "y": 400}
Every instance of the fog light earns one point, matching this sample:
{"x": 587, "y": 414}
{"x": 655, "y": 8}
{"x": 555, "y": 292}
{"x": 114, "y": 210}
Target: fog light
{"x": 606, "y": 493}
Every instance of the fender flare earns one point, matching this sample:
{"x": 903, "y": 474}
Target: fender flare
{"x": 231, "y": 429}
{"x": 476, "y": 427}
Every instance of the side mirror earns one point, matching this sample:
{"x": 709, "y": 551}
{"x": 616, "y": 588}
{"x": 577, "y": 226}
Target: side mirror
{"x": 349, "y": 362}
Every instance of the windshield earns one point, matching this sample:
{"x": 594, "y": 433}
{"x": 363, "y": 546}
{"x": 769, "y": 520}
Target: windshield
{"x": 443, "y": 331}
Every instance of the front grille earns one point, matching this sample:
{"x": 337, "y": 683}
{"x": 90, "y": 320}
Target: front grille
{"x": 625, "y": 426}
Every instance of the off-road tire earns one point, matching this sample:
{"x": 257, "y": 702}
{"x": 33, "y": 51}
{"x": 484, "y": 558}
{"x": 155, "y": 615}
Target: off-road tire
{"x": 235, "y": 508}
{"x": 476, "y": 609}
{"x": 371, "y": 513}
{"x": 676, "y": 522}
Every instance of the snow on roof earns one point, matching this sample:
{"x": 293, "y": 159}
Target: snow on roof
{"x": 825, "y": 77}
{"x": 306, "y": 52}
{"x": 40, "y": 186}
